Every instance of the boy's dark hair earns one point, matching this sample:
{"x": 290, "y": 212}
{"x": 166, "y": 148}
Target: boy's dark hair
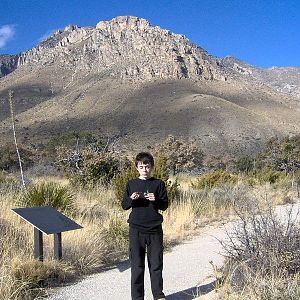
{"x": 145, "y": 158}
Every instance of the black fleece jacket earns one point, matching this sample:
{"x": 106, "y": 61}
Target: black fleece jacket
{"x": 144, "y": 215}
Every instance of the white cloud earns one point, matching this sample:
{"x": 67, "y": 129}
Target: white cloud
{"x": 6, "y": 33}
{"x": 47, "y": 34}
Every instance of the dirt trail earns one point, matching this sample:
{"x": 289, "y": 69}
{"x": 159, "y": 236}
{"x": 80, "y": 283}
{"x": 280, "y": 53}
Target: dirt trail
{"x": 187, "y": 272}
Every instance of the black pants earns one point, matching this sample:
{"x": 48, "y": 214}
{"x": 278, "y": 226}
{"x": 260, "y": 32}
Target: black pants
{"x": 138, "y": 243}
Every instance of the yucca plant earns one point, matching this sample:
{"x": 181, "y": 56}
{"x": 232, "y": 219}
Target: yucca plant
{"x": 47, "y": 194}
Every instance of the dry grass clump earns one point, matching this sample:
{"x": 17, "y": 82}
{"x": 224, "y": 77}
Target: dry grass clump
{"x": 21, "y": 277}
{"x": 179, "y": 220}
{"x": 263, "y": 252}
{"x": 26, "y": 278}
{"x": 104, "y": 237}
{"x": 257, "y": 286}
{"x": 214, "y": 179}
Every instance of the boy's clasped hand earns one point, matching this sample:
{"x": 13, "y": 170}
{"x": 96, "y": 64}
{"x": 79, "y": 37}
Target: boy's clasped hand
{"x": 148, "y": 196}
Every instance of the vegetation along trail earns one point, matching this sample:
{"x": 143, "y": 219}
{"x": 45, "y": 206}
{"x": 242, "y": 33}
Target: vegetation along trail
{"x": 188, "y": 272}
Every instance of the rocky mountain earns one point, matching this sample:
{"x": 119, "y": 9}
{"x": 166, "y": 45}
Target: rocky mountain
{"x": 125, "y": 47}
{"x": 127, "y": 78}
{"x": 283, "y": 79}
{"x": 8, "y": 63}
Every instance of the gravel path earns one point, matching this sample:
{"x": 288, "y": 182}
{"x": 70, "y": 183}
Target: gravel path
{"x": 187, "y": 272}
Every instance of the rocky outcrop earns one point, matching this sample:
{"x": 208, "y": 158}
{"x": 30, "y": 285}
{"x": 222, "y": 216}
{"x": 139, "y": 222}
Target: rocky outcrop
{"x": 8, "y": 63}
{"x": 128, "y": 48}
{"x": 282, "y": 79}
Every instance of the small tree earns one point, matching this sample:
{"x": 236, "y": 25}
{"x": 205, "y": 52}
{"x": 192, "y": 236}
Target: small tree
{"x": 89, "y": 160}
{"x": 281, "y": 154}
{"x": 181, "y": 155}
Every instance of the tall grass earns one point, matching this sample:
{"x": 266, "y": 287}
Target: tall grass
{"x": 104, "y": 237}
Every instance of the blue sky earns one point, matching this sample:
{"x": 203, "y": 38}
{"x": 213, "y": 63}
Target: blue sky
{"x": 264, "y": 33}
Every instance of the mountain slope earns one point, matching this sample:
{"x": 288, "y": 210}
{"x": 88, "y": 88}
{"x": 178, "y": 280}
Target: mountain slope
{"x": 127, "y": 78}
{"x": 283, "y": 79}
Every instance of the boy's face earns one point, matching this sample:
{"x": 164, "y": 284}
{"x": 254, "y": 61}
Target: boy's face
{"x": 144, "y": 169}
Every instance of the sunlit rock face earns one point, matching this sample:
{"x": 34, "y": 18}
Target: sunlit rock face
{"x": 126, "y": 47}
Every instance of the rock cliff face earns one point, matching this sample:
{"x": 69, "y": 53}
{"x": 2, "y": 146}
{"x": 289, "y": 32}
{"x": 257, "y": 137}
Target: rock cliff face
{"x": 283, "y": 79}
{"x": 8, "y": 63}
{"x": 129, "y": 79}
{"x": 127, "y": 48}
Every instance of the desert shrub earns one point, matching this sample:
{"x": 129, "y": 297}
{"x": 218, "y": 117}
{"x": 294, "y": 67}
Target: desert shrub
{"x": 70, "y": 139}
{"x": 88, "y": 163}
{"x": 97, "y": 168}
{"x": 47, "y": 194}
{"x": 161, "y": 171}
{"x": 256, "y": 286}
{"x": 9, "y": 159}
{"x": 297, "y": 176}
{"x": 115, "y": 234}
{"x": 262, "y": 244}
{"x": 30, "y": 276}
{"x": 281, "y": 154}
{"x": 180, "y": 155}
{"x": 245, "y": 164}
{"x": 267, "y": 175}
{"x": 214, "y": 179}
{"x": 121, "y": 180}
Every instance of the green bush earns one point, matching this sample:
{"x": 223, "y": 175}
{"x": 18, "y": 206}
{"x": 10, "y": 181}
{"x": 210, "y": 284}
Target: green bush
{"x": 121, "y": 180}
{"x": 70, "y": 139}
{"x": 99, "y": 168}
{"x": 9, "y": 159}
{"x": 161, "y": 169}
{"x": 244, "y": 164}
{"x": 48, "y": 194}
{"x": 214, "y": 179}
{"x": 268, "y": 175}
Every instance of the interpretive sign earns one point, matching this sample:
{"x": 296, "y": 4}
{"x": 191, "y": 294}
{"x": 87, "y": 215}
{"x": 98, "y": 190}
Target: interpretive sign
{"x": 46, "y": 220}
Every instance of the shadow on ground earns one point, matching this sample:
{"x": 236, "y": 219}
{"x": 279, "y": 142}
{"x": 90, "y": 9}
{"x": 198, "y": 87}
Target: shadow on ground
{"x": 121, "y": 266}
{"x": 187, "y": 294}
{"x": 193, "y": 292}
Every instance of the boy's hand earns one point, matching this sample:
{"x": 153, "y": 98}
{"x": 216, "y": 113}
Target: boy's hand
{"x": 135, "y": 195}
{"x": 150, "y": 196}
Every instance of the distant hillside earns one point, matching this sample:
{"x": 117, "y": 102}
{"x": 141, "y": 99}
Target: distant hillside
{"x": 283, "y": 79}
{"x": 127, "y": 78}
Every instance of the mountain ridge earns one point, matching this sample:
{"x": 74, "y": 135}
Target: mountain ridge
{"x": 127, "y": 78}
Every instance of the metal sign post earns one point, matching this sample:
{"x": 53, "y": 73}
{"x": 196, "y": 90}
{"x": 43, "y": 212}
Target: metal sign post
{"x": 46, "y": 220}
{"x": 38, "y": 244}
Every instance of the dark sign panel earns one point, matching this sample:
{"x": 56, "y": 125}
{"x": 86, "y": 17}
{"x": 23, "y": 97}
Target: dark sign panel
{"x": 47, "y": 219}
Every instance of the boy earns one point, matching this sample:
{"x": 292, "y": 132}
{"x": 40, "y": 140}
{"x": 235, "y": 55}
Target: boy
{"x": 145, "y": 195}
